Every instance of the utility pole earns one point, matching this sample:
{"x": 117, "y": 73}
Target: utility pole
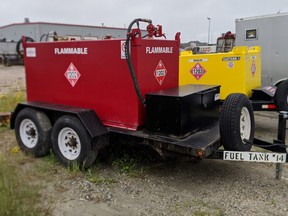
{"x": 209, "y": 20}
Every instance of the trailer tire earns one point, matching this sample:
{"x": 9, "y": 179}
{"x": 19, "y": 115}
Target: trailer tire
{"x": 72, "y": 144}
{"x": 237, "y": 123}
{"x": 281, "y": 96}
{"x": 33, "y": 132}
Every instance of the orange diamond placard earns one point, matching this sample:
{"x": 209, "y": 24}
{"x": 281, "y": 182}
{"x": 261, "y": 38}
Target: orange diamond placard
{"x": 198, "y": 71}
{"x": 72, "y": 74}
{"x": 160, "y": 72}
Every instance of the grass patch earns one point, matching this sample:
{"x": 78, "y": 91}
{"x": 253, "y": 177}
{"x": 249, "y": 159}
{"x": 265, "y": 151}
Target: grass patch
{"x": 131, "y": 165}
{"x": 74, "y": 169}
{"x": 48, "y": 165}
{"x": 205, "y": 209}
{"x": 17, "y": 196}
{"x": 9, "y": 101}
{"x": 212, "y": 212}
{"x": 93, "y": 177}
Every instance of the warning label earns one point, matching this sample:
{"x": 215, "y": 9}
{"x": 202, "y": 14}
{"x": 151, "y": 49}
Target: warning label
{"x": 234, "y": 58}
{"x": 72, "y": 74}
{"x": 231, "y": 64}
{"x": 198, "y": 71}
{"x": 160, "y": 72}
{"x": 253, "y": 68}
{"x": 198, "y": 60}
{"x": 123, "y": 49}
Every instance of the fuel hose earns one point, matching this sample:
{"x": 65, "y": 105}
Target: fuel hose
{"x": 128, "y": 57}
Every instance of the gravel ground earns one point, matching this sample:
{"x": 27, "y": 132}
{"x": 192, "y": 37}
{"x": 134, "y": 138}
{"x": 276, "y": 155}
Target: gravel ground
{"x": 181, "y": 187}
{"x": 11, "y": 79}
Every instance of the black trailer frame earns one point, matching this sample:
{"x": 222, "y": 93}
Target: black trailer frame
{"x": 201, "y": 144}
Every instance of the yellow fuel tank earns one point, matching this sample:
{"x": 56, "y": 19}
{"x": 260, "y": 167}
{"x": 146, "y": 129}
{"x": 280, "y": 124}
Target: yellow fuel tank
{"x": 238, "y": 71}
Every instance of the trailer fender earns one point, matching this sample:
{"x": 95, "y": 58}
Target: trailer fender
{"x": 278, "y": 82}
{"x": 281, "y": 96}
{"x": 88, "y": 117}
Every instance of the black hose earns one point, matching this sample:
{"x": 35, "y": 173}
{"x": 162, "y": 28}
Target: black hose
{"x": 129, "y": 60}
{"x": 19, "y": 43}
{"x": 42, "y": 36}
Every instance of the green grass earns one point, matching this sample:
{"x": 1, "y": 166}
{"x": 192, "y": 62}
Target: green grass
{"x": 133, "y": 165}
{"x": 9, "y": 101}
{"x": 92, "y": 175}
{"x": 17, "y": 196}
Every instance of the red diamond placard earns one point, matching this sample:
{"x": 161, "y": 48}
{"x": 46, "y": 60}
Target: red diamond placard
{"x": 72, "y": 74}
{"x": 198, "y": 71}
{"x": 160, "y": 72}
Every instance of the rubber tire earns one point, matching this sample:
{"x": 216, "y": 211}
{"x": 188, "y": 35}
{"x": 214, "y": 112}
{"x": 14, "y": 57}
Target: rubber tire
{"x": 43, "y": 127}
{"x": 281, "y": 96}
{"x": 230, "y": 122}
{"x": 88, "y": 152}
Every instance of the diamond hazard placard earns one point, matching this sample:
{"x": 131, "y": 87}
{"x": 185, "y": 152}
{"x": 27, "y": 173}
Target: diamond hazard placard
{"x": 253, "y": 68}
{"x": 72, "y": 74}
{"x": 198, "y": 71}
{"x": 160, "y": 72}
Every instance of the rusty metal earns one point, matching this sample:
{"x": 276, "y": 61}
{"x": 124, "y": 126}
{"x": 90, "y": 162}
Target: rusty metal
{"x": 4, "y": 118}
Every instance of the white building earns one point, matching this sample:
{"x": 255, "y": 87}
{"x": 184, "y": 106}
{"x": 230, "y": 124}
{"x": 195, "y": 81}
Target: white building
{"x": 36, "y": 30}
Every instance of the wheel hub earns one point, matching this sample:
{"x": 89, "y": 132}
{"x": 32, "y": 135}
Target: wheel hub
{"x": 28, "y": 133}
{"x": 69, "y": 143}
{"x": 245, "y": 125}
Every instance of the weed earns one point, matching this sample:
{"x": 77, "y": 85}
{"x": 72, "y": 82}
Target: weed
{"x": 93, "y": 177}
{"x": 74, "y": 170}
{"x": 129, "y": 164}
{"x": 100, "y": 180}
{"x": 211, "y": 212}
{"x": 9, "y": 101}
{"x": 17, "y": 196}
{"x": 201, "y": 213}
{"x": 48, "y": 164}
{"x": 2, "y": 129}
{"x": 51, "y": 159}
{"x": 200, "y": 202}
{"x": 204, "y": 209}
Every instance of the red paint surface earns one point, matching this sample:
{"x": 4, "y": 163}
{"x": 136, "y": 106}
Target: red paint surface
{"x": 105, "y": 84}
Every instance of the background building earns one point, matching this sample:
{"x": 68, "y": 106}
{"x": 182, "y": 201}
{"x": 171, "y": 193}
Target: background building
{"x": 36, "y": 30}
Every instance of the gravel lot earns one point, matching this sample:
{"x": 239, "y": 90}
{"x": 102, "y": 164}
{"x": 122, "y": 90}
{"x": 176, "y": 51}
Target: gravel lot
{"x": 181, "y": 187}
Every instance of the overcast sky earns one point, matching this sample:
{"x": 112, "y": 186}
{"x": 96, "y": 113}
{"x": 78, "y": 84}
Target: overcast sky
{"x": 188, "y": 17}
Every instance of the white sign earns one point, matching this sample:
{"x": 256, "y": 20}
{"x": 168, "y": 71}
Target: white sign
{"x": 31, "y": 52}
{"x": 255, "y": 156}
{"x": 198, "y": 60}
{"x": 123, "y": 49}
{"x": 207, "y": 49}
{"x": 217, "y": 97}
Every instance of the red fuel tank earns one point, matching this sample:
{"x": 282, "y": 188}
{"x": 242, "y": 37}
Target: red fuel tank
{"x": 95, "y": 75}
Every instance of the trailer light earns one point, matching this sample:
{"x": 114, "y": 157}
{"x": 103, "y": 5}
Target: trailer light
{"x": 269, "y": 106}
{"x": 200, "y": 153}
